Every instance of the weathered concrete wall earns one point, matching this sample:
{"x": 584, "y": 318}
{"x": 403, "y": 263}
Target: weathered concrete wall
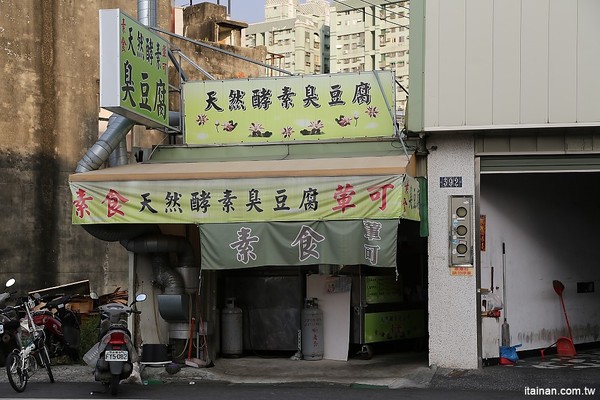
{"x": 49, "y": 105}
{"x": 198, "y": 21}
{"x": 49, "y": 108}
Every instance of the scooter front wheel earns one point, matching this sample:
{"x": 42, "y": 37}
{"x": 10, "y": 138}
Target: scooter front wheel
{"x": 16, "y": 375}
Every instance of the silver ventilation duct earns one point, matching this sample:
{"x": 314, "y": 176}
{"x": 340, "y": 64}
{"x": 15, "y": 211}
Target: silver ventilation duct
{"x": 147, "y": 12}
{"x": 141, "y": 238}
{"x": 113, "y": 136}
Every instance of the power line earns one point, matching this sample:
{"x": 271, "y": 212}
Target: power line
{"x": 350, "y": 8}
{"x": 395, "y": 1}
{"x": 384, "y": 9}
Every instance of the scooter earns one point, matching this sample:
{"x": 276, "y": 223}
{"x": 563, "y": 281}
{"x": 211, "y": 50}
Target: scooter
{"x": 62, "y": 327}
{"x": 114, "y": 354}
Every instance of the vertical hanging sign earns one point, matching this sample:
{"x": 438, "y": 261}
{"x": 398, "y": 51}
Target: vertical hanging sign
{"x": 133, "y": 70}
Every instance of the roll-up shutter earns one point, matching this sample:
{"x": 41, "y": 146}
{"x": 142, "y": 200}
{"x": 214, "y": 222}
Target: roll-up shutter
{"x": 545, "y": 163}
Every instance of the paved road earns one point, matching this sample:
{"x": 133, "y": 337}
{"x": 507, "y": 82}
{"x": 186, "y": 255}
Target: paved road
{"x": 210, "y": 390}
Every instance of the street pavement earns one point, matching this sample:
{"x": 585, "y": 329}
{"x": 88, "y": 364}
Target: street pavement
{"x": 533, "y": 375}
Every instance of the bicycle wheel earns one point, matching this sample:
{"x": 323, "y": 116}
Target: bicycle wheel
{"x": 46, "y": 361}
{"x": 16, "y": 375}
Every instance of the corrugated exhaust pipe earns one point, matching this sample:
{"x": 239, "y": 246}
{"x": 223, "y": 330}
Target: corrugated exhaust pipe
{"x": 165, "y": 276}
{"x": 143, "y": 238}
{"x": 115, "y": 132}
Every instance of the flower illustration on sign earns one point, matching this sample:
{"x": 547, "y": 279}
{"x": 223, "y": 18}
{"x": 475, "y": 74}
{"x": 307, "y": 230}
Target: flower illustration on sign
{"x": 229, "y": 125}
{"x": 343, "y": 121}
{"x": 217, "y": 123}
{"x": 372, "y": 111}
{"x": 287, "y": 131}
{"x": 315, "y": 128}
{"x": 355, "y": 118}
{"x": 256, "y": 129}
{"x": 202, "y": 119}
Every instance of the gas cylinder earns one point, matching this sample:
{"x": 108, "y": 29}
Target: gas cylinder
{"x": 231, "y": 330}
{"x": 312, "y": 330}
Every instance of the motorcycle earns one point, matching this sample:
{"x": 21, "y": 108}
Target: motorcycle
{"x": 9, "y": 323}
{"x": 114, "y": 354}
{"x": 62, "y": 327}
{"x": 31, "y": 353}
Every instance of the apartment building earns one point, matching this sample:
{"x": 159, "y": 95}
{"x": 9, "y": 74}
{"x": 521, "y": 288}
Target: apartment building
{"x": 371, "y": 35}
{"x": 296, "y": 35}
{"x": 319, "y": 36}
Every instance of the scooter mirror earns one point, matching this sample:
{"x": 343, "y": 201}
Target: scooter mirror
{"x": 140, "y": 297}
{"x": 10, "y": 282}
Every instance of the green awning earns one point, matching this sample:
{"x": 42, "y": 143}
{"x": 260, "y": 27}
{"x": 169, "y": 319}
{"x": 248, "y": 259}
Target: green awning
{"x": 256, "y": 244}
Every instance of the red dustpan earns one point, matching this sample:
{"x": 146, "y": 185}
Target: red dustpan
{"x": 564, "y": 345}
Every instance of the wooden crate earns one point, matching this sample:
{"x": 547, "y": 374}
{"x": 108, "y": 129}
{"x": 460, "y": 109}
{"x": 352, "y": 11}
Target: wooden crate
{"x": 81, "y": 306}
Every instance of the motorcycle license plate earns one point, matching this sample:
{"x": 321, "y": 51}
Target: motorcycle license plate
{"x": 116, "y": 355}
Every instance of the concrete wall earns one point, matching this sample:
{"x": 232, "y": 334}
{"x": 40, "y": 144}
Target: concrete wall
{"x": 49, "y": 108}
{"x": 542, "y": 218}
{"x": 452, "y": 299}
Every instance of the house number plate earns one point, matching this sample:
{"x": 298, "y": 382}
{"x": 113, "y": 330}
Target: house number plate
{"x": 450, "y": 181}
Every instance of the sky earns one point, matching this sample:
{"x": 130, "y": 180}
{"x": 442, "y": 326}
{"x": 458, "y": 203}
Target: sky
{"x": 249, "y": 11}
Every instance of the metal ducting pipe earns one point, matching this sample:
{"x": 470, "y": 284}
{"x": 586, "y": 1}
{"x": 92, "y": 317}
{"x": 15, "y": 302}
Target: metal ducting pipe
{"x": 147, "y": 12}
{"x": 165, "y": 276}
{"x": 171, "y": 280}
{"x": 119, "y": 156}
{"x": 118, "y": 232}
{"x": 115, "y": 132}
{"x": 142, "y": 238}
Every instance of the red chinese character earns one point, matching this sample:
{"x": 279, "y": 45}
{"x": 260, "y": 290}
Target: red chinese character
{"x": 114, "y": 200}
{"x": 343, "y": 195}
{"x": 80, "y": 203}
{"x": 380, "y": 192}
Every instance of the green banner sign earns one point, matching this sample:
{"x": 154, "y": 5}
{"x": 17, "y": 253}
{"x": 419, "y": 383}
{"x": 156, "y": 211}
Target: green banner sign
{"x": 242, "y": 200}
{"x": 133, "y": 69}
{"x": 288, "y": 109}
{"x": 394, "y": 325}
{"x": 369, "y": 242}
{"x": 382, "y": 289}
